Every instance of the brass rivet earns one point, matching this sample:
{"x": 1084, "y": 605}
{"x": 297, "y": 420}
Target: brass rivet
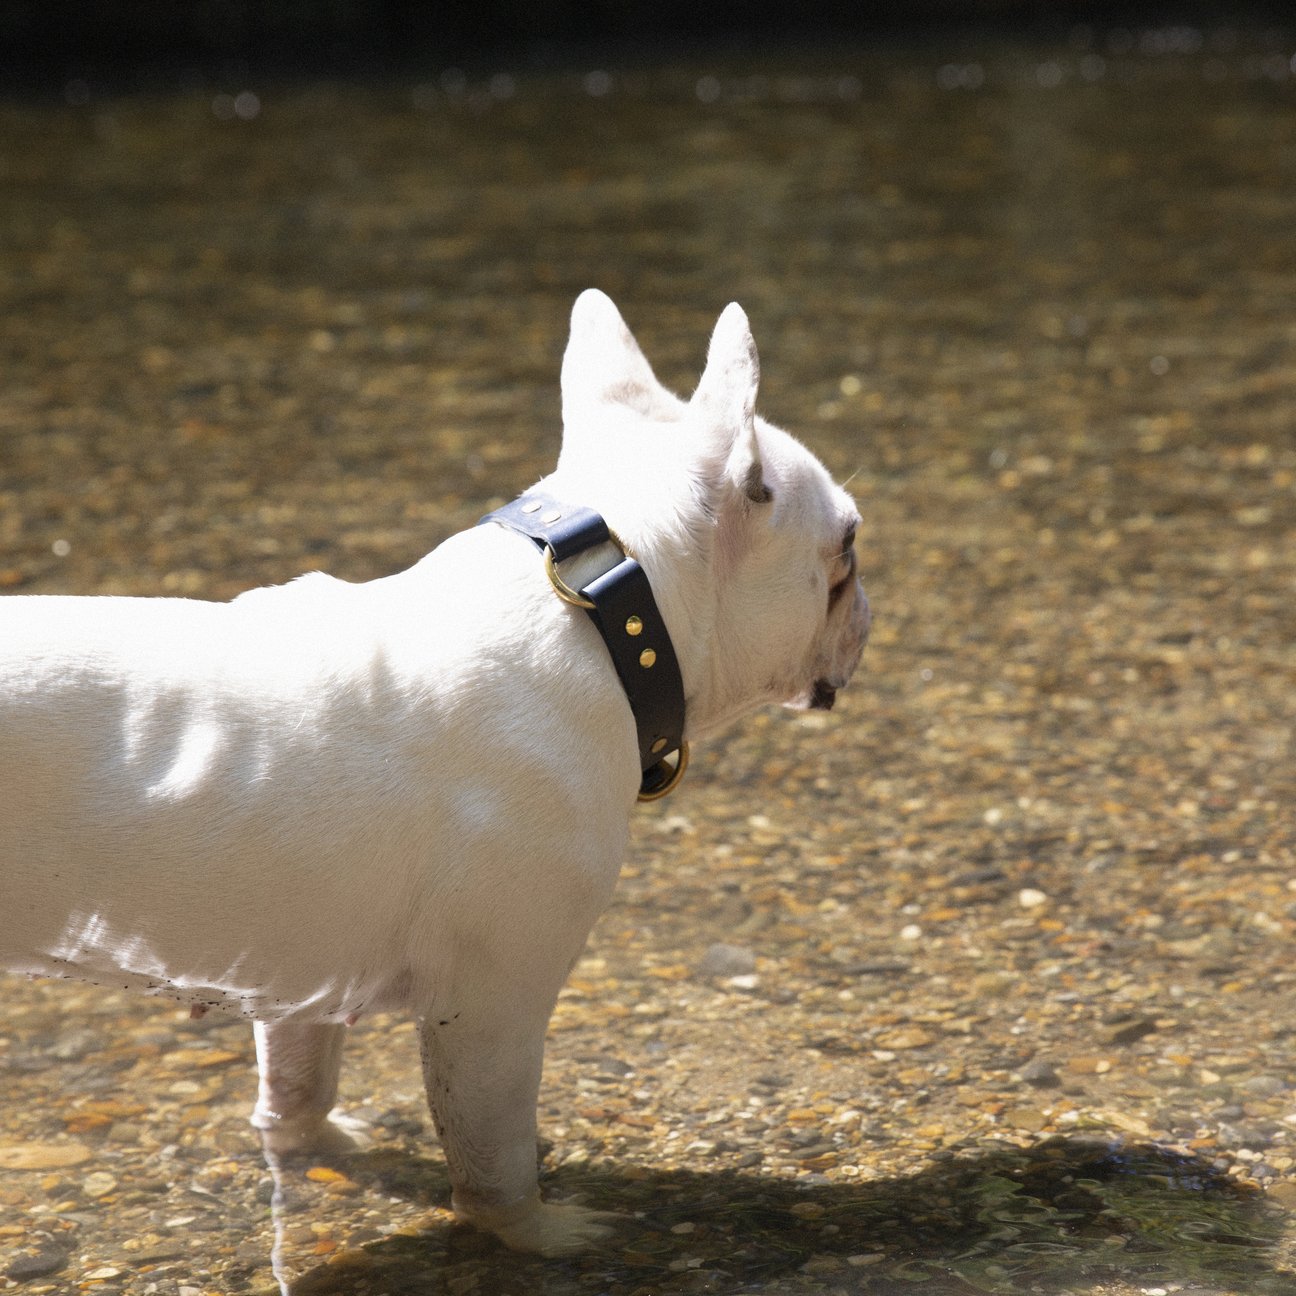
{"x": 658, "y": 747}
{"x": 634, "y": 626}
{"x": 647, "y": 657}
{"x": 551, "y": 517}
{"x": 533, "y": 507}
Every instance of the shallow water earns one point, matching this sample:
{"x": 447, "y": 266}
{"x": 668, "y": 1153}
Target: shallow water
{"x": 1017, "y": 914}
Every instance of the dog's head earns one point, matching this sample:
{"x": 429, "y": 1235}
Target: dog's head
{"x": 748, "y": 542}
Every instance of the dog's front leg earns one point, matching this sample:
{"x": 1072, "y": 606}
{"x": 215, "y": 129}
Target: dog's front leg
{"x": 482, "y": 1074}
{"x": 298, "y": 1067}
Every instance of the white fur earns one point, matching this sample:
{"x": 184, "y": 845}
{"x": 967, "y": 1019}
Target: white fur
{"x": 414, "y": 793}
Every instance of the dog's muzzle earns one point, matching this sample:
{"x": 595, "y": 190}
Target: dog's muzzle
{"x": 823, "y": 692}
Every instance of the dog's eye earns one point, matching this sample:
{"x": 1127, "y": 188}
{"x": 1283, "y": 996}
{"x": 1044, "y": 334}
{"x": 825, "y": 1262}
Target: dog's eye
{"x": 844, "y": 567}
{"x": 839, "y": 586}
{"x": 846, "y": 554}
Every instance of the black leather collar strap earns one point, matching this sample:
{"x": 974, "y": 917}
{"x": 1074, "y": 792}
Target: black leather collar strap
{"x": 621, "y": 604}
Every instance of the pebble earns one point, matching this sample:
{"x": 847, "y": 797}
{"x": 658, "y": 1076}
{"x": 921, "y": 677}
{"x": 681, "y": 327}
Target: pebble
{"x": 38, "y": 1264}
{"x": 43, "y": 1156}
{"x": 1129, "y": 1032}
{"x": 808, "y": 1210}
{"x": 1041, "y": 1074}
{"x": 1024, "y": 1118}
{"x": 615, "y": 1068}
{"x": 906, "y": 1038}
{"x": 722, "y": 960}
{"x": 1264, "y": 1086}
{"x": 99, "y": 1184}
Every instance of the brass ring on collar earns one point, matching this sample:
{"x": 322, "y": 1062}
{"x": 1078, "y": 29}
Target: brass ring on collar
{"x": 560, "y": 586}
{"x": 672, "y": 778}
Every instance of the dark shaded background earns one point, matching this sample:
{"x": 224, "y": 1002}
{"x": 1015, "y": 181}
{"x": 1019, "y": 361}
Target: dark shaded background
{"x": 44, "y": 38}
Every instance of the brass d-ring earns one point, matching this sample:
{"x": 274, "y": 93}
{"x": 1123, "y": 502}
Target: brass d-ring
{"x": 561, "y": 588}
{"x": 672, "y": 777}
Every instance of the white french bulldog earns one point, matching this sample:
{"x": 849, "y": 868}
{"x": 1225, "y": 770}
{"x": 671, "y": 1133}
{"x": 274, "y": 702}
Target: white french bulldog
{"x": 412, "y": 794}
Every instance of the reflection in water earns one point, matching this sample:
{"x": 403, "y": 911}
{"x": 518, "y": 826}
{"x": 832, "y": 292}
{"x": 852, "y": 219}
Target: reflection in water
{"x": 283, "y": 1203}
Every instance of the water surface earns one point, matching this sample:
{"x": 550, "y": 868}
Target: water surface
{"x": 1020, "y": 910}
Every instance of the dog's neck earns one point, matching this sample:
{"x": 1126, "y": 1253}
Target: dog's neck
{"x": 615, "y": 592}
{"x": 674, "y": 542}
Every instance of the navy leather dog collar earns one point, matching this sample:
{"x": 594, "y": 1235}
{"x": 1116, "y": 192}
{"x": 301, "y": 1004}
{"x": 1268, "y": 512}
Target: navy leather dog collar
{"x": 620, "y": 603}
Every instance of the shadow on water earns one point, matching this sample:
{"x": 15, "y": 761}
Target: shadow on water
{"x": 1040, "y": 1219}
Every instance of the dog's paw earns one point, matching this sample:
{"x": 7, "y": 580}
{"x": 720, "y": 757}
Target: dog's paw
{"x": 334, "y": 1135}
{"x": 546, "y": 1228}
{"x": 557, "y": 1229}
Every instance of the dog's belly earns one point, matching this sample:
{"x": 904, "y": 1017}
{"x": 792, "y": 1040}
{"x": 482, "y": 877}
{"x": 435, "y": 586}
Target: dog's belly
{"x": 323, "y": 1001}
{"x": 239, "y": 917}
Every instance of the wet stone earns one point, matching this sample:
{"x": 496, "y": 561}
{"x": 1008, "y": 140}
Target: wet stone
{"x": 722, "y": 960}
{"x": 36, "y": 1264}
{"x": 1041, "y": 1074}
{"x": 43, "y": 1156}
{"x": 98, "y": 1184}
{"x": 1128, "y": 1032}
{"x": 1264, "y": 1086}
{"x": 608, "y": 1067}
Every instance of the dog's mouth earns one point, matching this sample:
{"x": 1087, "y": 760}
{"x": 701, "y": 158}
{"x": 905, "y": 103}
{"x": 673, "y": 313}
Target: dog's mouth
{"x": 822, "y": 695}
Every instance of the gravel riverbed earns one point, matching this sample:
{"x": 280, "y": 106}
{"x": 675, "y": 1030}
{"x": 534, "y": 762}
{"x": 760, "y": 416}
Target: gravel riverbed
{"x": 981, "y": 983}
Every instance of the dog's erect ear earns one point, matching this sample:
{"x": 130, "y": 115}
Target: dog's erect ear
{"x": 604, "y": 366}
{"x": 725, "y": 401}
